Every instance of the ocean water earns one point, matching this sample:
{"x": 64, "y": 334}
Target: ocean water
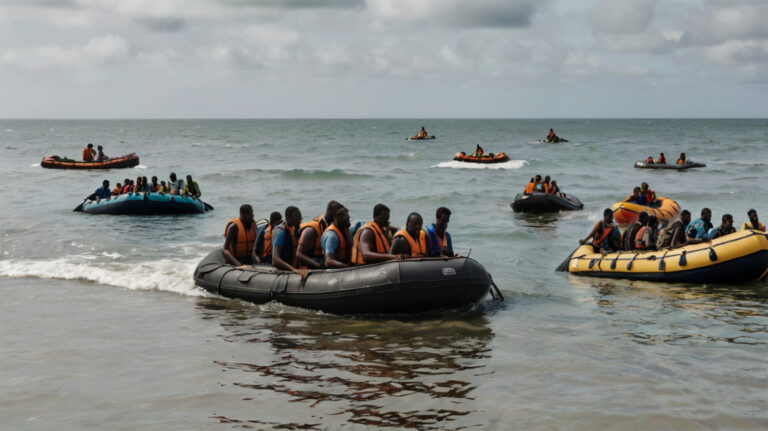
{"x": 101, "y": 326}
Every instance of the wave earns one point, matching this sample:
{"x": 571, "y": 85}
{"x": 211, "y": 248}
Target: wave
{"x": 512, "y": 164}
{"x": 171, "y": 275}
{"x": 142, "y": 167}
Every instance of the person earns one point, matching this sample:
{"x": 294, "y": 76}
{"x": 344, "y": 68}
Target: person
{"x": 336, "y": 242}
{"x": 88, "y": 153}
{"x": 176, "y": 185}
{"x": 240, "y": 234}
{"x": 263, "y": 246}
{"x": 554, "y": 188}
{"x": 637, "y": 197}
{"x": 118, "y": 188}
{"x": 310, "y": 251}
{"x": 145, "y": 185}
{"x": 411, "y": 241}
{"x": 127, "y": 186}
{"x": 154, "y": 187}
{"x": 530, "y": 187}
{"x": 191, "y": 188}
{"x": 370, "y": 243}
{"x": 649, "y": 194}
{"x": 138, "y": 186}
{"x": 101, "y": 157}
{"x": 645, "y": 239}
{"x": 753, "y": 222}
{"x": 537, "y": 183}
{"x": 662, "y": 160}
{"x": 628, "y": 238}
{"x": 682, "y": 160}
{"x": 551, "y": 137}
{"x": 725, "y": 228}
{"x": 673, "y": 234}
{"x": 545, "y": 185}
{"x": 421, "y": 135}
{"x": 440, "y": 243}
{"x": 478, "y": 151}
{"x": 649, "y": 160}
{"x": 102, "y": 192}
{"x": 701, "y": 226}
{"x": 285, "y": 238}
{"x": 164, "y": 187}
{"x": 605, "y": 235}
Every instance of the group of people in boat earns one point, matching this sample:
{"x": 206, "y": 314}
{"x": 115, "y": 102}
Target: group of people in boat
{"x": 662, "y": 160}
{"x": 552, "y": 137}
{"x": 545, "y": 186}
{"x": 91, "y": 155}
{"x": 174, "y": 186}
{"x": 330, "y": 240}
{"x": 643, "y": 195}
{"x": 648, "y": 234}
{"x": 421, "y": 135}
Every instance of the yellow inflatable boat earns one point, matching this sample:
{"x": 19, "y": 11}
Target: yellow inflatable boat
{"x": 736, "y": 258}
{"x": 627, "y": 212}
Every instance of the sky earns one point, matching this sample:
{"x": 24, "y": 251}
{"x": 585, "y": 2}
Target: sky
{"x": 383, "y": 58}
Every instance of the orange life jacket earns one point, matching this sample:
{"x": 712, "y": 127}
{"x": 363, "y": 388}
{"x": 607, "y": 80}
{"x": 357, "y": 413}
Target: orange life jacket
{"x": 267, "y": 242}
{"x": 551, "y": 134}
{"x": 87, "y": 154}
{"x": 530, "y": 188}
{"x": 382, "y": 243}
{"x": 639, "y": 244}
{"x": 650, "y": 160}
{"x": 661, "y": 159}
{"x": 417, "y": 249}
{"x": 242, "y": 249}
{"x": 545, "y": 186}
{"x": 318, "y": 250}
{"x": 342, "y": 254}
{"x": 650, "y": 196}
{"x": 606, "y": 230}
{"x": 680, "y": 161}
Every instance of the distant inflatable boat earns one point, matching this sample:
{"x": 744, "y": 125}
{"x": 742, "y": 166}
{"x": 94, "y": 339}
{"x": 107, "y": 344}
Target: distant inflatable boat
{"x": 739, "y": 257}
{"x": 406, "y": 286}
{"x": 675, "y": 167}
{"x": 56, "y": 162}
{"x": 627, "y": 212}
{"x": 145, "y": 204}
{"x": 539, "y": 202}
{"x": 420, "y": 139}
{"x": 489, "y": 158}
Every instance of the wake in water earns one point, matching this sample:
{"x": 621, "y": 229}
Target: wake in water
{"x": 512, "y": 164}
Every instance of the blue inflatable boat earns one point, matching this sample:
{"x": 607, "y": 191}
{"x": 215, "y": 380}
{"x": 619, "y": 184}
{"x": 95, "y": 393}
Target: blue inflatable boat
{"x": 145, "y": 204}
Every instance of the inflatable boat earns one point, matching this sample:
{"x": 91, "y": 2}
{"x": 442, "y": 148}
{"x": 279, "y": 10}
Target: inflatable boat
{"x": 420, "y": 139}
{"x": 675, "y": 167}
{"x": 488, "y": 158}
{"x": 553, "y": 141}
{"x": 544, "y": 202}
{"x": 56, "y": 162}
{"x": 735, "y": 258}
{"x": 627, "y": 212}
{"x": 405, "y": 286}
{"x": 145, "y": 204}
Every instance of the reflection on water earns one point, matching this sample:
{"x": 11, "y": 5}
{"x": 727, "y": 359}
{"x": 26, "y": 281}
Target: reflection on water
{"x": 544, "y": 221}
{"x": 384, "y": 373}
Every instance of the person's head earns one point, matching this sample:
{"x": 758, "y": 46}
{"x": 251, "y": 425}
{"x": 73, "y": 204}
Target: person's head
{"x": 682, "y": 156}
{"x": 422, "y": 128}
{"x": 341, "y": 218}
{"x": 125, "y": 181}
{"x": 162, "y": 183}
{"x": 154, "y": 179}
{"x": 636, "y": 191}
{"x": 554, "y": 182}
{"x": 685, "y": 216}
{"x": 105, "y": 184}
{"x": 118, "y": 186}
{"x": 752, "y": 214}
{"x": 173, "y": 176}
{"x": 138, "y": 180}
{"x": 533, "y": 179}
{"x": 546, "y": 179}
{"x": 706, "y": 214}
{"x": 644, "y": 187}
{"x": 551, "y": 129}
{"x": 381, "y": 214}
{"x": 331, "y": 208}
{"x": 608, "y": 215}
{"x": 292, "y": 216}
{"x": 662, "y": 154}
{"x": 442, "y": 218}
{"x": 90, "y": 146}
{"x": 642, "y": 218}
{"x": 189, "y": 179}
{"x": 727, "y": 221}
{"x": 246, "y": 214}
{"x": 144, "y": 180}
{"x": 275, "y": 218}
{"x": 413, "y": 224}
{"x": 538, "y": 178}
{"x": 100, "y": 147}
{"x": 653, "y": 222}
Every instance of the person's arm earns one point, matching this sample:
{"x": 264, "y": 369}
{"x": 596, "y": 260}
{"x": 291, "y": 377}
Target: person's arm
{"x": 258, "y": 245}
{"x": 331, "y": 245}
{"x": 591, "y": 234}
{"x": 675, "y": 238}
{"x": 278, "y": 261}
{"x": 230, "y": 239}
{"x": 367, "y": 241}
{"x": 306, "y": 246}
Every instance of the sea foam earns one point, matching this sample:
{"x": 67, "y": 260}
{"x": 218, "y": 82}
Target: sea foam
{"x": 455, "y": 164}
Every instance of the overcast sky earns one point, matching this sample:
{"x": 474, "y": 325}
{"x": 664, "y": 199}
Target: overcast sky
{"x": 383, "y": 58}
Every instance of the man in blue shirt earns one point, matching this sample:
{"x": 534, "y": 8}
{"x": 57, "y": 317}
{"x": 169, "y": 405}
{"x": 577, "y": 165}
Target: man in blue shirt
{"x": 335, "y": 248}
{"x": 701, "y": 226}
{"x": 439, "y": 239}
{"x": 102, "y": 192}
{"x": 285, "y": 238}
{"x": 637, "y": 197}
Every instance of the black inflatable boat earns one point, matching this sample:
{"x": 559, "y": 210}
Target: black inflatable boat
{"x": 406, "y": 286}
{"x": 673, "y": 166}
{"x": 544, "y": 202}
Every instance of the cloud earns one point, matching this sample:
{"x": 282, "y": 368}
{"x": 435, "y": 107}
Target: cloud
{"x": 620, "y": 16}
{"x": 721, "y": 21}
{"x": 96, "y": 51}
{"x": 457, "y": 13}
{"x": 163, "y": 24}
{"x": 738, "y": 51}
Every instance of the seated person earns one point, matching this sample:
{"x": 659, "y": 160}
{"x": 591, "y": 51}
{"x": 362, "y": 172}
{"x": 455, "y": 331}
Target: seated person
{"x": 673, "y": 234}
{"x": 438, "y": 237}
{"x": 412, "y": 240}
{"x": 628, "y": 237}
{"x": 725, "y": 228}
{"x": 118, "y": 188}
{"x": 154, "y": 187}
{"x": 263, "y": 247}
{"x": 662, "y": 160}
{"x": 240, "y": 234}
{"x": 645, "y": 238}
{"x": 336, "y": 242}
{"x": 285, "y": 239}
{"x": 176, "y": 185}
{"x": 605, "y": 235}
{"x": 753, "y": 222}
{"x": 649, "y": 160}
{"x": 551, "y": 136}
{"x": 191, "y": 188}
{"x": 164, "y": 188}
{"x": 371, "y": 242}
{"x": 700, "y": 227}
{"x": 422, "y": 133}
{"x": 545, "y": 185}
{"x": 89, "y": 153}
{"x": 537, "y": 184}
{"x": 531, "y": 186}
{"x": 310, "y": 251}
{"x": 554, "y": 189}
{"x": 682, "y": 160}
{"x": 101, "y": 157}
{"x": 637, "y": 197}
{"x": 649, "y": 194}
{"x": 102, "y": 192}
{"x": 478, "y": 151}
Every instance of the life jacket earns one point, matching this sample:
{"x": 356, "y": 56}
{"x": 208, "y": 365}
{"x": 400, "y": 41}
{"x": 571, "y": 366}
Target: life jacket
{"x": 551, "y": 134}
{"x": 553, "y": 189}
{"x": 417, "y": 249}
{"x": 87, "y": 154}
{"x": 241, "y": 250}
{"x": 267, "y": 242}
{"x": 598, "y": 240}
{"x": 342, "y": 253}
{"x": 680, "y": 161}
{"x": 126, "y": 189}
{"x": 193, "y": 189}
{"x": 318, "y": 250}
{"x": 748, "y": 225}
{"x": 661, "y": 159}
{"x": 382, "y": 243}
{"x": 650, "y": 160}
{"x": 639, "y": 243}
{"x": 650, "y": 196}
{"x": 530, "y": 188}
{"x": 117, "y": 190}
{"x": 545, "y": 186}
{"x": 665, "y": 236}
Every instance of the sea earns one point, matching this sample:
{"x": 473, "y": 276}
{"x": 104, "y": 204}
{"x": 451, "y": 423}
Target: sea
{"x": 102, "y": 327}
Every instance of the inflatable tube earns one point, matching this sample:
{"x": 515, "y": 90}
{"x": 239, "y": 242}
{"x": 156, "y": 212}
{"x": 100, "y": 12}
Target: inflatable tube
{"x": 489, "y": 158}
{"x": 644, "y": 165}
{"x": 626, "y": 213}
{"x": 739, "y": 257}
{"x": 539, "y": 202}
{"x": 420, "y": 139}
{"x": 146, "y": 204}
{"x": 126, "y": 161}
{"x": 406, "y": 286}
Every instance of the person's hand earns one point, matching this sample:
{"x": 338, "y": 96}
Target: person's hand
{"x": 304, "y": 273}
{"x": 243, "y": 266}
{"x": 403, "y": 256}
{"x": 581, "y": 241}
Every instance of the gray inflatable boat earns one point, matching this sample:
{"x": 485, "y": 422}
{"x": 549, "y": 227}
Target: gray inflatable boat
{"x": 671, "y": 166}
{"x": 406, "y": 286}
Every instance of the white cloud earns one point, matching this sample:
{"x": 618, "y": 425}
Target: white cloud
{"x": 622, "y": 16}
{"x": 98, "y": 50}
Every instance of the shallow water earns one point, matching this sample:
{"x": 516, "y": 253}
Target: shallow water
{"x": 102, "y": 327}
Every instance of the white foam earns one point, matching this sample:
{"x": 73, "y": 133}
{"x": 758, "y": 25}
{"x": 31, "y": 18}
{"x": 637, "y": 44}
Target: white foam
{"x": 35, "y": 165}
{"x": 455, "y": 164}
{"x": 142, "y": 167}
{"x": 171, "y": 275}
